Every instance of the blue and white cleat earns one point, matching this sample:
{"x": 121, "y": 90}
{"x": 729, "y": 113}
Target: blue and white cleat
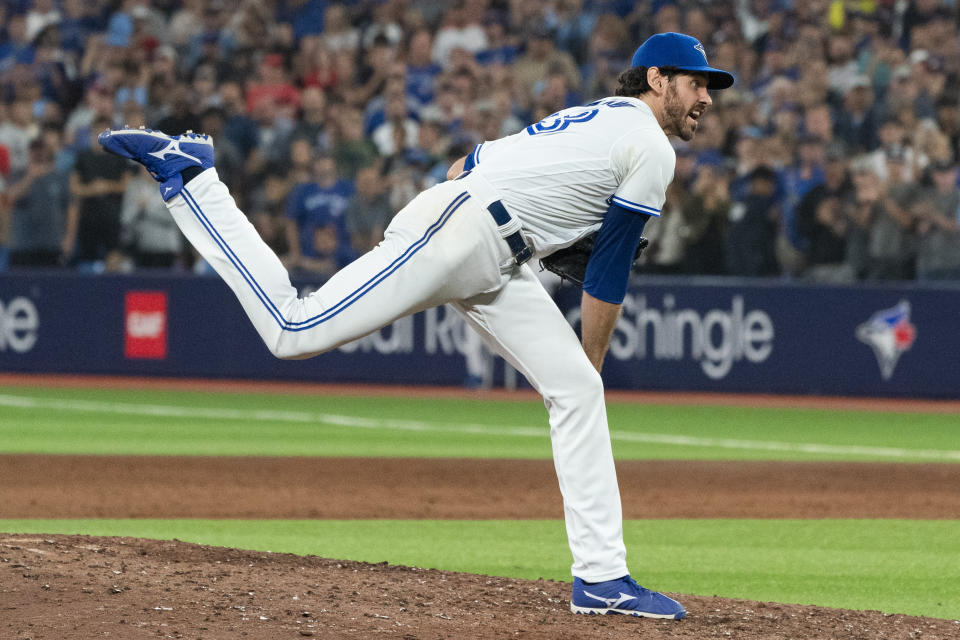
{"x": 164, "y": 156}
{"x": 623, "y": 596}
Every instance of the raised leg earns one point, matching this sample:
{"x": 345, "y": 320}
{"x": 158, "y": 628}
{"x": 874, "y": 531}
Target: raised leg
{"x": 407, "y": 272}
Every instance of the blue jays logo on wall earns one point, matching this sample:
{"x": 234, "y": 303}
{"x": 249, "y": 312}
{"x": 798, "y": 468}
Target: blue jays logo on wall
{"x": 889, "y": 333}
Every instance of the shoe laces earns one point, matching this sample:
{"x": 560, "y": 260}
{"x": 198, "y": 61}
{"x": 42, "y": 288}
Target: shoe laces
{"x": 633, "y": 584}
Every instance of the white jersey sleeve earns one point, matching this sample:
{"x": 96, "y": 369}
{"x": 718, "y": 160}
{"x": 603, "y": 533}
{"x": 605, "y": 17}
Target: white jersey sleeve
{"x": 646, "y": 169}
{"x": 487, "y": 147}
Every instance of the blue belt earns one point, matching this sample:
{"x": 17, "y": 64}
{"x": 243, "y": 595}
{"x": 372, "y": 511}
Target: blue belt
{"x": 518, "y": 246}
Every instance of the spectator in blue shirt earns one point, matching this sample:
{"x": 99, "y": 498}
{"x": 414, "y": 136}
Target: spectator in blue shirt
{"x": 795, "y": 181}
{"x": 502, "y": 48}
{"x": 421, "y": 70}
{"x": 305, "y": 16}
{"x": 573, "y": 24}
{"x": 316, "y": 230}
{"x": 239, "y": 128}
{"x": 395, "y": 88}
{"x": 15, "y": 47}
{"x": 80, "y": 19}
{"x": 214, "y": 36}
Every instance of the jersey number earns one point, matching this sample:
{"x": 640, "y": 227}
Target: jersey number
{"x": 556, "y": 122}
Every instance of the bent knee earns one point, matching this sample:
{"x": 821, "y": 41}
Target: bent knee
{"x": 285, "y": 354}
{"x": 290, "y": 349}
{"x": 592, "y": 383}
{"x": 574, "y": 387}
{"x": 294, "y": 356}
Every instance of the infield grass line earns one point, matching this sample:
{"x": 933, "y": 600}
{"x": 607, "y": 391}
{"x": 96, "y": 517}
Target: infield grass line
{"x": 451, "y": 427}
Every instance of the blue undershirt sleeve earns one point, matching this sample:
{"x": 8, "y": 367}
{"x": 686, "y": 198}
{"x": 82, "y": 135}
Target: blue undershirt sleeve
{"x": 608, "y": 270}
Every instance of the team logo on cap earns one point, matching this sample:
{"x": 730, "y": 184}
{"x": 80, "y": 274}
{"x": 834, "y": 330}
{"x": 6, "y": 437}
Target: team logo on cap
{"x": 703, "y": 52}
{"x": 889, "y": 333}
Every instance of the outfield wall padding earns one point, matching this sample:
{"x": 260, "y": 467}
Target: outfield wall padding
{"x": 674, "y": 334}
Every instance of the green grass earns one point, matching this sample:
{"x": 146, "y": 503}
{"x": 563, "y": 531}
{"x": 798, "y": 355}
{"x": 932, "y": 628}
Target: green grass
{"x": 85, "y": 421}
{"x": 892, "y": 565}
{"x": 895, "y": 566}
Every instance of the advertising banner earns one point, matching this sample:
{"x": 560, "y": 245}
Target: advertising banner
{"x": 674, "y": 334}
{"x": 858, "y": 340}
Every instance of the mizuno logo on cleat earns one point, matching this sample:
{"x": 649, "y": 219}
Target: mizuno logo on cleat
{"x": 611, "y": 602}
{"x": 173, "y": 147}
{"x": 166, "y": 190}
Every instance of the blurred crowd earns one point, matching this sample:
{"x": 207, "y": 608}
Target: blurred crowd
{"x": 833, "y": 158}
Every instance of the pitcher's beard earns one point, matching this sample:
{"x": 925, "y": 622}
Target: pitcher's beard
{"x": 678, "y": 117}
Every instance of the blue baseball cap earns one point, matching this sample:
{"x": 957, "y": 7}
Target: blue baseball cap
{"x": 683, "y": 52}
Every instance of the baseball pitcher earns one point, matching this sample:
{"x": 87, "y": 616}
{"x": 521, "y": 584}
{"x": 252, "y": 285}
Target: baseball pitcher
{"x": 583, "y": 181}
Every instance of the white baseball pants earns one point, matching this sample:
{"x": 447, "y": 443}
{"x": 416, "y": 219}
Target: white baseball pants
{"x": 443, "y": 247}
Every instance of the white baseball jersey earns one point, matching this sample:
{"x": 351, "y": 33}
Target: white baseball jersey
{"x": 558, "y": 176}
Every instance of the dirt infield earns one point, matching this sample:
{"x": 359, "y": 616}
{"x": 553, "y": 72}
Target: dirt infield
{"x": 34, "y": 486}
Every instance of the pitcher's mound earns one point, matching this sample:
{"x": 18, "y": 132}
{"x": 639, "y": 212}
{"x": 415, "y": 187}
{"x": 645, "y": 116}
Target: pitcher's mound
{"x": 66, "y": 587}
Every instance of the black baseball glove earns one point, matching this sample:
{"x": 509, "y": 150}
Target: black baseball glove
{"x": 570, "y": 263}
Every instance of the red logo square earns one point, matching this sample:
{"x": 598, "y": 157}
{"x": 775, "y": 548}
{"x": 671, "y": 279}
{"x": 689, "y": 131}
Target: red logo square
{"x": 146, "y": 325}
